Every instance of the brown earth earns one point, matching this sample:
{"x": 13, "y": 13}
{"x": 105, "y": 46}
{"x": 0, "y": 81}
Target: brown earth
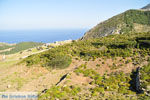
{"x": 36, "y": 78}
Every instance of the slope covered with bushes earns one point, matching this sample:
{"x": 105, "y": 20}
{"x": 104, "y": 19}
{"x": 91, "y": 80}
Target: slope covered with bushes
{"x": 111, "y": 86}
{"x": 114, "y": 85}
{"x": 4, "y": 46}
{"x": 127, "y": 22}
{"x": 125, "y": 45}
{"x": 21, "y": 46}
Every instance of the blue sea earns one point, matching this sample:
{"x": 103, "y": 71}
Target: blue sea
{"x": 45, "y": 36}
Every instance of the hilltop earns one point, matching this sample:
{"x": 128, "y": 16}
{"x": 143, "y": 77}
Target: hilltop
{"x": 128, "y": 22}
{"x": 146, "y": 7}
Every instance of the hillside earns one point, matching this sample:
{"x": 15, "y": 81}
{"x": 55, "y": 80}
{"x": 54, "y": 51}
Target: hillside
{"x": 146, "y": 7}
{"x": 110, "y": 62}
{"x": 127, "y": 22}
{"x": 4, "y": 46}
{"x": 101, "y": 68}
{"x": 18, "y": 47}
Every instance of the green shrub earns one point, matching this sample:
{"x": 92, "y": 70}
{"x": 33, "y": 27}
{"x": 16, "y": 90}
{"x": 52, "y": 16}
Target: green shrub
{"x": 59, "y": 61}
{"x": 145, "y": 77}
{"x": 98, "y": 65}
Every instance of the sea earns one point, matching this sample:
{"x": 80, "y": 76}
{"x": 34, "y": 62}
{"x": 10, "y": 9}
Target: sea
{"x": 44, "y": 36}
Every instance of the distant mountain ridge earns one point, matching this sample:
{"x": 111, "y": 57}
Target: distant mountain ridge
{"x": 3, "y": 43}
{"x": 17, "y": 47}
{"x": 128, "y": 22}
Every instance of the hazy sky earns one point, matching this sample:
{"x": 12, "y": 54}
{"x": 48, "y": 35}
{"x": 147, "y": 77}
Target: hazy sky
{"x": 56, "y": 14}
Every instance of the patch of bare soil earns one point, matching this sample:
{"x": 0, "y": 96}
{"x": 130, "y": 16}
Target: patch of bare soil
{"x": 102, "y": 66}
{"x": 36, "y": 78}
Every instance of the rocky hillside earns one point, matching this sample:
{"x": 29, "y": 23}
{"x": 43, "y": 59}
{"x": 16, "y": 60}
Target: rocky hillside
{"x": 98, "y": 69}
{"x": 147, "y": 7}
{"x": 127, "y": 22}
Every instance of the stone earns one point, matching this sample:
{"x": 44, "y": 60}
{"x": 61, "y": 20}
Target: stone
{"x": 9, "y": 86}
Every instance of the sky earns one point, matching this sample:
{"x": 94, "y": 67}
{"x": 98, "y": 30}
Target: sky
{"x": 61, "y": 14}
